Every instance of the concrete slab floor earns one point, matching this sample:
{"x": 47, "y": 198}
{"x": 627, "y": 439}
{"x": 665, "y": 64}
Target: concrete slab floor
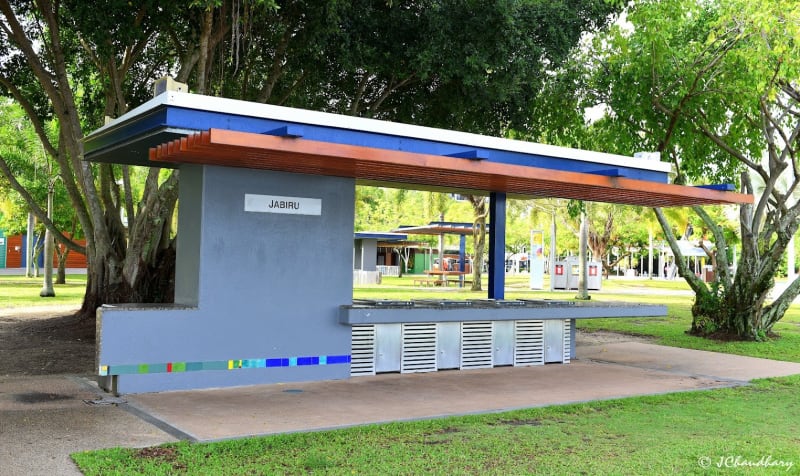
{"x": 264, "y": 409}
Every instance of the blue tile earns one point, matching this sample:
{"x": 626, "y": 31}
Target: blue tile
{"x": 274, "y": 362}
{"x": 306, "y": 361}
{"x": 338, "y": 359}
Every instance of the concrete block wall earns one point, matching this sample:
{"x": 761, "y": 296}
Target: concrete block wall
{"x": 257, "y": 293}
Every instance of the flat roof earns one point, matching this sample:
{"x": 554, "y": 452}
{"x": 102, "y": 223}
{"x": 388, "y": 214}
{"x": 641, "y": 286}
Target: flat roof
{"x": 228, "y": 108}
{"x": 380, "y": 235}
{"x": 175, "y": 128}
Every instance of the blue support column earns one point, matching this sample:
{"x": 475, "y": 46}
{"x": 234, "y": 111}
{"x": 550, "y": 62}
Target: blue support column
{"x": 497, "y": 245}
{"x": 462, "y": 259}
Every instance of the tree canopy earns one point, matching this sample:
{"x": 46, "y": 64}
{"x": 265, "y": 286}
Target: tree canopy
{"x": 475, "y": 66}
{"x": 712, "y": 86}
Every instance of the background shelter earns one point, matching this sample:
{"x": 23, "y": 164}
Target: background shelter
{"x": 440, "y": 229}
{"x": 370, "y": 258}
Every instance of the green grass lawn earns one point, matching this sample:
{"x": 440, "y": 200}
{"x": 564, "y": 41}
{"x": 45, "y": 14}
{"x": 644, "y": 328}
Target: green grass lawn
{"x": 698, "y": 432}
{"x": 19, "y": 291}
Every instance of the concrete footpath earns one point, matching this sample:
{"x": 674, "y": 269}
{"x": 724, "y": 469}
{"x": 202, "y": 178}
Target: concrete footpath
{"x": 43, "y": 419}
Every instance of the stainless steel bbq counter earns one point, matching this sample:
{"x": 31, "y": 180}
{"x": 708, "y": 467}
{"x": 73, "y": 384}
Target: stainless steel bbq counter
{"x": 427, "y": 335}
{"x": 365, "y": 311}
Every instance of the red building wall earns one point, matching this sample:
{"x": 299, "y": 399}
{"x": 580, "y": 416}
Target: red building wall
{"x": 14, "y": 248}
{"x": 14, "y": 251}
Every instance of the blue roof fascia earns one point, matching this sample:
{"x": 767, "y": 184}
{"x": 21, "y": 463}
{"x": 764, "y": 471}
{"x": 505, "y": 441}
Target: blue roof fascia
{"x": 286, "y": 131}
{"x": 609, "y": 172}
{"x": 473, "y": 154}
{"x": 203, "y": 120}
{"x": 723, "y": 187}
{"x": 179, "y": 118}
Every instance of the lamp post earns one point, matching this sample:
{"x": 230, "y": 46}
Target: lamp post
{"x": 47, "y": 284}
{"x": 551, "y": 266}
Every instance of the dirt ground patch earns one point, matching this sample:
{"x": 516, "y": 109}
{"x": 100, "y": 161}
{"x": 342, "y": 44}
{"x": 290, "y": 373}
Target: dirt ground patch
{"x": 605, "y": 337}
{"x": 45, "y": 341}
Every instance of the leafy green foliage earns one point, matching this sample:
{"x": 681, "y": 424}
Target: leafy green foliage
{"x": 641, "y": 73}
{"x": 477, "y": 66}
{"x": 32, "y": 168}
{"x": 712, "y": 86}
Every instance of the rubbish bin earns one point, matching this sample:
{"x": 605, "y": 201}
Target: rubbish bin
{"x": 567, "y": 274}
{"x": 594, "y": 278}
{"x": 574, "y": 276}
{"x": 560, "y": 275}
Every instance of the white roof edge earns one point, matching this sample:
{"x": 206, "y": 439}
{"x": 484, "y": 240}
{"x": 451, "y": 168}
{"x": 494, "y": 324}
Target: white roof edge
{"x": 137, "y": 111}
{"x": 326, "y": 119}
{"x": 387, "y": 233}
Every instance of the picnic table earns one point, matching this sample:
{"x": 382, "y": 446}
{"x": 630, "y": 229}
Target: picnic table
{"x": 440, "y": 277}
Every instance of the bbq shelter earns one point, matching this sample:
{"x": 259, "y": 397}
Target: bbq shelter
{"x": 279, "y": 307}
{"x": 367, "y": 244}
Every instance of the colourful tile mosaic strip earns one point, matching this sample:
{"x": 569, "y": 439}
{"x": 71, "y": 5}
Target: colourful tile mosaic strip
{"x": 177, "y": 367}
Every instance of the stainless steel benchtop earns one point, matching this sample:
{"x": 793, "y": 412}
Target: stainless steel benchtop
{"x": 382, "y": 311}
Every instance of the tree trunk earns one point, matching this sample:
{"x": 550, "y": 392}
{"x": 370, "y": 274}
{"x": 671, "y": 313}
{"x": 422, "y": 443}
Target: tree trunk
{"x": 61, "y": 274}
{"x": 156, "y": 283}
{"x": 479, "y": 238}
{"x": 583, "y": 279}
{"x": 734, "y": 307}
{"x": 481, "y": 211}
{"x": 37, "y": 252}
{"x": 144, "y": 271}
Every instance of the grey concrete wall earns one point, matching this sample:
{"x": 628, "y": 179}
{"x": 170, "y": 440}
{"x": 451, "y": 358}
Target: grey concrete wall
{"x": 357, "y": 250}
{"x": 270, "y": 286}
